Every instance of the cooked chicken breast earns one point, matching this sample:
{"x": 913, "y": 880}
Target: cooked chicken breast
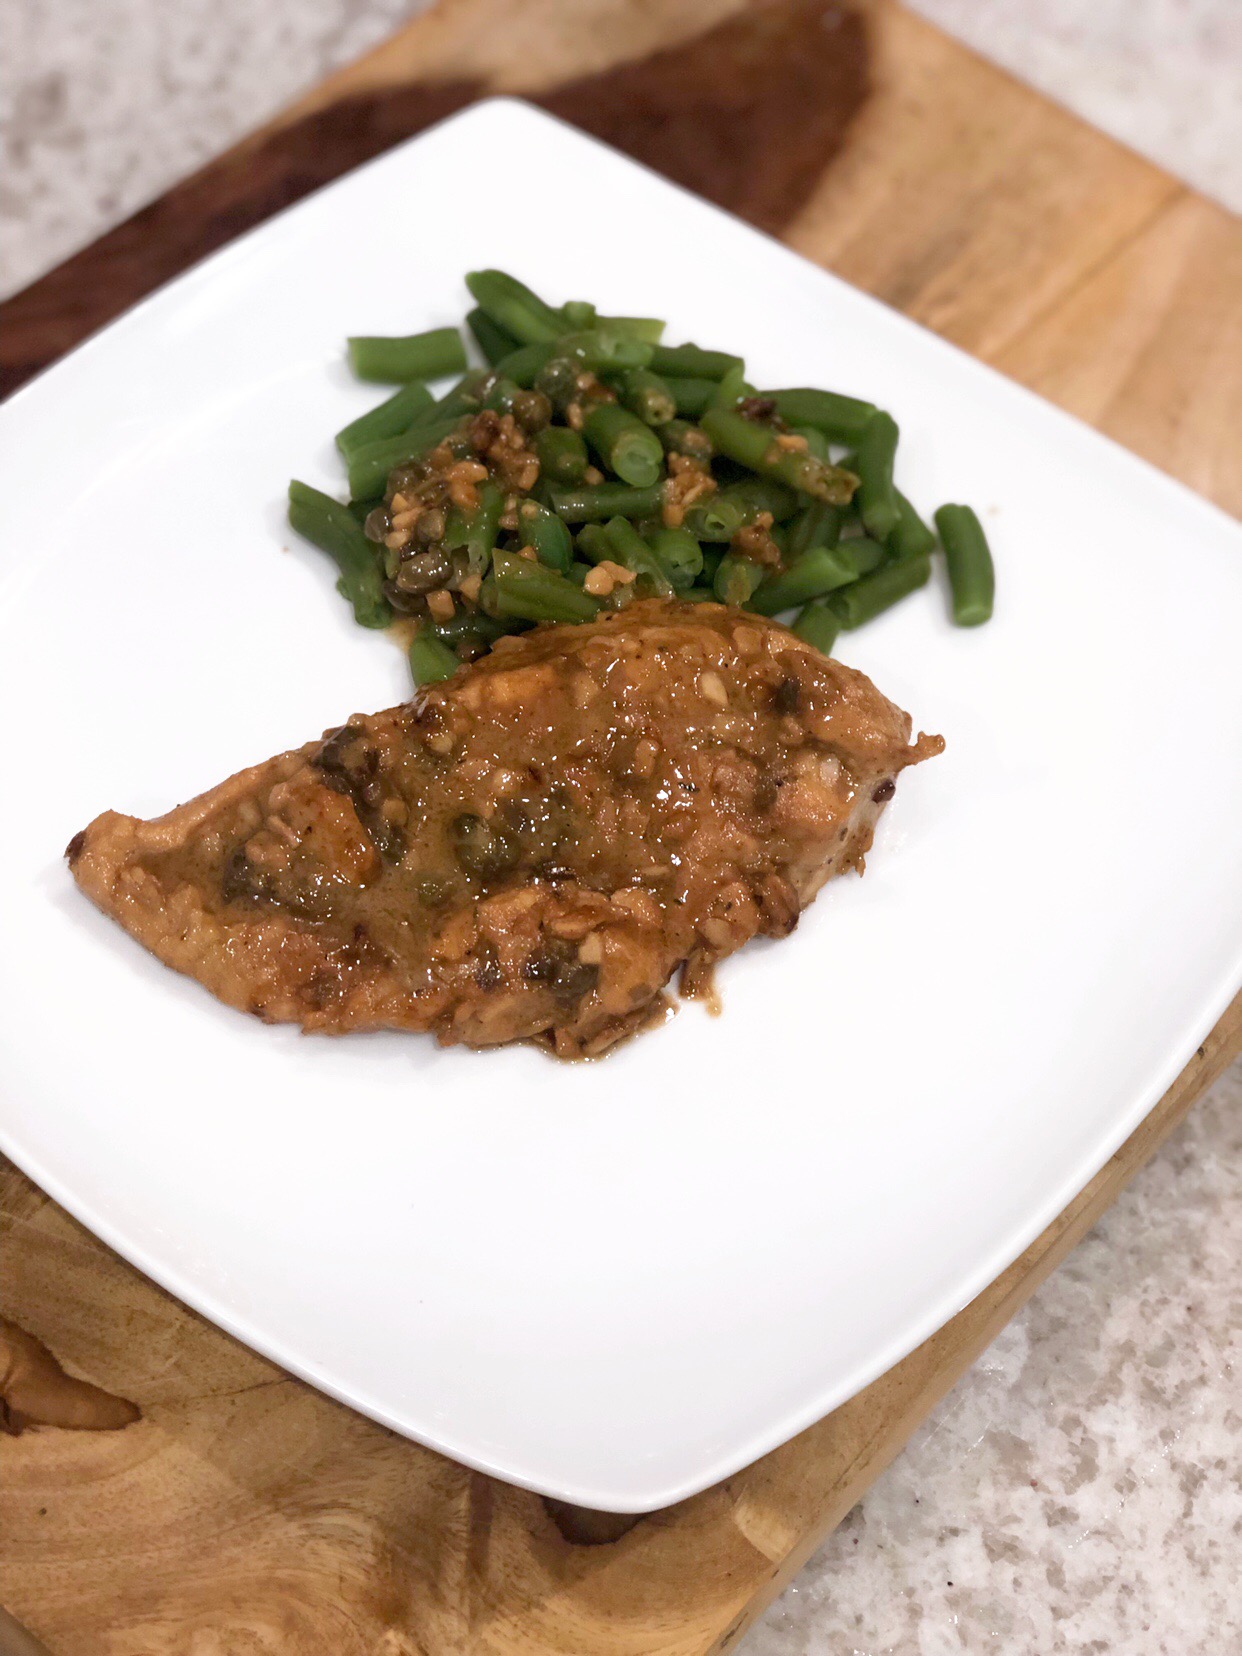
{"x": 530, "y": 850}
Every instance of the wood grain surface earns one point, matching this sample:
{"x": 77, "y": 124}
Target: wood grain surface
{"x": 246, "y": 1513}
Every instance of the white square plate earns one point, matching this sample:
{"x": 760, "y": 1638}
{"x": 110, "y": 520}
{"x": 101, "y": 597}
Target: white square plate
{"x": 616, "y": 1282}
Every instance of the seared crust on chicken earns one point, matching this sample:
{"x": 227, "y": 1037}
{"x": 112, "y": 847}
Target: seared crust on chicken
{"x": 529, "y": 850}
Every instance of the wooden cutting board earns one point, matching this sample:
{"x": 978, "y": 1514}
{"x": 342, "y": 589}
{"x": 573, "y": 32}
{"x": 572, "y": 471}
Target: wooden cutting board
{"x": 246, "y": 1513}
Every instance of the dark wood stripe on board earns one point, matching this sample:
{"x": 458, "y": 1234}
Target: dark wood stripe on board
{"x": 748, "y": 114}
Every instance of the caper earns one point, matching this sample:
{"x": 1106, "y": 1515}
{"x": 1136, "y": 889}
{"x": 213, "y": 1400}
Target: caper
{"x": 532, "y": 410}
{"x": 429, "y": 526}
{"x": 481, "y": 848}
{"x": 423, "y": 572}
{"x": 378, "y": 523}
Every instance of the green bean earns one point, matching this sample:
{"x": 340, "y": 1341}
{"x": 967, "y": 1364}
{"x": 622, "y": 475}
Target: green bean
{"x": 594, "y": 503}
{"x": 972, "y": 575}
{"x": 864, "y": 553}
{"x": 579, "y": 570}
{"x": 467, "y": 624}
{"x": 680, "y": 437}
{"x": 474, "y": 532}
{"x": 370, "y": 465}
{"x": 718, "y": 517}
{"x": 817, "y": 625}
{"x": 649, "y": 328}
{"x": 592, "y": 544}
{"x": 646, "y": 395}
{"x": 732, "y": 388}
{"x": 562, "y": 454}
{"x": 431, "y": 659}
{"x": 547, "y": 534}
{"x": 389, "y": 418}
{"x": 699, "y": 595}
{"x": 333, "y": 529}
{"x": 692, "y": 396}
{"x": 822, "y": 569}
{"x": 579, "y": 313}
{"x": 524, "y": 365}
{"x": 626, "y": 446}
{"x": 815, "y": 525}
{"x": 909, "y": 537}
{"x": 490, "y": 337}
{"x": 498, "y": 395}
{"x": 691, "y": 362}
{"x": 513, "y": 307}
{"x": 416, "y": 356}
{"x": 360, "y": 510}
{"x": 874, "y": 593}
{"x": 817, "y": 444}
{"x": 530, "y": 592}
{"x": 713, "y": 557}
{"x": 736, "y": 579}
{"x": 756, "y": 447}
{"x": 631, "y": 551}
{"x": 843, "y": 419}
{"x": 604, "y": 350}
{"x": 464, "y": 397}
{"x": 679, "y": 555}
{"x": 877, "y": 498}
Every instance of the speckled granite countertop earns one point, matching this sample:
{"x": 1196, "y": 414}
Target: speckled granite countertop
{"x": 1080, "y": 1492}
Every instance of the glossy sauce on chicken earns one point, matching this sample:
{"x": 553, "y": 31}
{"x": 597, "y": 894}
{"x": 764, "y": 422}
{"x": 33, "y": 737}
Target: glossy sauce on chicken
{"x": 531, "y": 849}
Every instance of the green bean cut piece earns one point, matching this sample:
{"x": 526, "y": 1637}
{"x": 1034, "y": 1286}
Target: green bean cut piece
{"x": 909, "y": 537}
{"x": 625, "y": 445}
{"x": 864, "y": 599}
{"x": 691, "y": 362}
{"x": 877, "y": 497}
{"x": 817, "y": 625}
{"x": 817, "y": 444}
{"x": 646, "y": 395}
{"x": 718, "y": 517}
{"x": 864, "y": 553}
{"x": 468, "y": 625}
{"x": 649, "y": 328}
{"x": 360, "y": 510}
{"x": 823, "y": 569}
{"x": 524, "y": 365}
{"x": 679, "y": 555}
{"x": 692, "y": 396}
{"x": 579, "y": 313}
{"x": 490, "y": 337}
{"x": 474, "y": 532}
{"x": 431, "y": 659}
{"x": 815, "y": 525}
{"x": 465, "y": 396}
{"x": 699, "y": 595}
{"x": 420, "y": 356}
{"x": 681, "y": 437}
{"x": 397, "y": 414}
{"x": 513, "y": 307}
{"x": 562, "y": 454}
{"x": 736, "y": 579}
{"x": 595, "y": 503}
{"x": 972, "y": 575}
{"x": 334, "y": 530}
{"x": 604, "y": 350}
{"x": 630, "y": 550}
{"x": 757, "y": 447}
{"x": 732, "y": 388}
{"x": 841, "y": 419}
{"x": 592, "y": 543}
{"x": 529, "y": 592}
{"x": 547, "y": 534}
{"x": 370, "y": 465}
